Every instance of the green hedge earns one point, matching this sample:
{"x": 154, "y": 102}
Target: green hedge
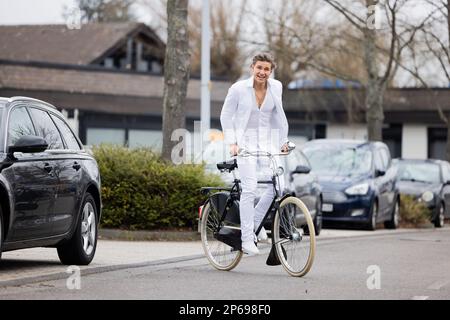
{"x": 412, "y": 212}
{"x": 140, "y": 191}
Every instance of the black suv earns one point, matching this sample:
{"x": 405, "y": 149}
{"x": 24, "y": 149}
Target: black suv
{"x": 49, "y": 185}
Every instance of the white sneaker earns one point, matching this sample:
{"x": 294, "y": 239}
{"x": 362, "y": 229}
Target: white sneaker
{"x": 249, "y": 248}
{"x": 262, "y": 236}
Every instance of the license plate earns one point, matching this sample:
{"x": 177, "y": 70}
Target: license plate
{"x": 327, "y": 207}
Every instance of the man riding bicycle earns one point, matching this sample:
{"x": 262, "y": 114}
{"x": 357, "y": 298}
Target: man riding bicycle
{"x": 253, "y": 119}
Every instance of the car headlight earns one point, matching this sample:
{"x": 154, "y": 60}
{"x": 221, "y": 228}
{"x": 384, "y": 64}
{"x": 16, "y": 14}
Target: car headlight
{"x": 427, "y": 196}
{"x": 359, "y": 189}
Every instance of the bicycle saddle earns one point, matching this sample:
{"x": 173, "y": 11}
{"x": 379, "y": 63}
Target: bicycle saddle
{"x": 229, "y": 165}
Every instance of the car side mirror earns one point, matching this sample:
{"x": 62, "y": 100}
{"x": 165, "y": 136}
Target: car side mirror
{"x": 302, "y": 170}
{"x": 379, "y": 172}
{"x": 28, "y": 144}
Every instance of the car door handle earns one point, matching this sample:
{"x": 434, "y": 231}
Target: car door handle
{"x": 76, "y": 166}
{"x": 48, "y": 168}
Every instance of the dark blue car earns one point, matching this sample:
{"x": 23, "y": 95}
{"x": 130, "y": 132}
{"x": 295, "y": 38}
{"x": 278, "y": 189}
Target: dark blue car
{"x": 357, "y": 181}
{"x": 427, "y": 181}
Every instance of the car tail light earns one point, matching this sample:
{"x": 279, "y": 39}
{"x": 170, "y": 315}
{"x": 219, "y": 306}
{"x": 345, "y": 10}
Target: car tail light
{"x": 200, "y": 212}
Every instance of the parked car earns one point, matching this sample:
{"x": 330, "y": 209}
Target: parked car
{"x": 305, "y": 186}
{"x": 357, "y": 180}
{"x": 427, "y": 181}
{"x": 49, "y": 186}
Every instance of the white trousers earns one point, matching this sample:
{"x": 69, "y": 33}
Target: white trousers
{"x": 250, "y": 170}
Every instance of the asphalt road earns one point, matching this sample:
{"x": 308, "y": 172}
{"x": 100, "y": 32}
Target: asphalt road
{"x": 394, "y": 266}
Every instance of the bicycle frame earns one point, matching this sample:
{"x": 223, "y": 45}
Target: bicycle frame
{"x": 235, "y": 192}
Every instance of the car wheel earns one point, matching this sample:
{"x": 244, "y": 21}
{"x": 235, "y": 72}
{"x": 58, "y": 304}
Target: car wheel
{"x": 80, "y": 249}
{"x": 439, "y": 220}
{"x": 372, "y": 225}
{"x": 318, "y": 218}
{"x": 395, "y": 217}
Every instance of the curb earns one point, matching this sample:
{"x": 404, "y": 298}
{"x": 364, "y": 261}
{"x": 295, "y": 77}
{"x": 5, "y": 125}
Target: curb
{"x": 161, "y": 235}
{"x": 94, "y": 270}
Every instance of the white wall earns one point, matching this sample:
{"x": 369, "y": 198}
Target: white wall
{"x": 339, "y": 131}
{"x": 414, "y": 141}
{"x": 72, "y": 122}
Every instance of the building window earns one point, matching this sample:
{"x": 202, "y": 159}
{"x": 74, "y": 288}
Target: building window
{"x": 145, "y": 138}
{"x": 96, "y": 136}
{"x": 437, "y": 143}
{"x": 392, "y": 136}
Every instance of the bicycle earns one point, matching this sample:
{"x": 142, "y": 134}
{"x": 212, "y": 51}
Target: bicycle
{"x": 292, "y": 227}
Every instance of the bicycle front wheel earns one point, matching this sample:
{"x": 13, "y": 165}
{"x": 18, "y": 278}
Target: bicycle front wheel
{"x": 220, "y": 255}
{"x": 294, "y": 236}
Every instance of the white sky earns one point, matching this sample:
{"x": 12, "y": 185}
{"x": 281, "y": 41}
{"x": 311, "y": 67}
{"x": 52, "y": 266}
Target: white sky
{"x": 41, "y": 11}
{"x": 33, "y": 12}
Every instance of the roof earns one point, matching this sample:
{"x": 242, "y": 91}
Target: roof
{"x": 97, "y": 81}
{"x": 59, "y": 44}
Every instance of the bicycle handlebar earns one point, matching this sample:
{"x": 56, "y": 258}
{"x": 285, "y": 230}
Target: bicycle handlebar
{"x": 245, "y": 153}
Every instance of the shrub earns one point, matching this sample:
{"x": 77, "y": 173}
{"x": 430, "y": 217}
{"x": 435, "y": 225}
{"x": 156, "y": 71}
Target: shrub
{"x": 413, "y": 212}
{"x": 141, "y": 191}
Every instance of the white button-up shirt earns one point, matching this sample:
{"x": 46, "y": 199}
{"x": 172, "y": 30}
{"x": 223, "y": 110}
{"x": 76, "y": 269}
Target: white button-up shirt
{"x": 258, "y": 130}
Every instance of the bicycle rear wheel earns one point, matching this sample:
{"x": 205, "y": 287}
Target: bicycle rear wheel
{"x": 294, "y": 236}
{"x": 220, "y": 255}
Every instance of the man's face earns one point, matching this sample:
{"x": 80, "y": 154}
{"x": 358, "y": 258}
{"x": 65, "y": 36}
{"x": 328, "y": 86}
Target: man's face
{"x": 261, "y": 71}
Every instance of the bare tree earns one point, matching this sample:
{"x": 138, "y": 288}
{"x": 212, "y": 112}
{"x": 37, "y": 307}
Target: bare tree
{"x": 291, "y": 34}
{"x": 106, "y": 10}
{"x": 434, "y": 44}
{"x": 378, "y": 72}
{"x": 176, "y": 72}
{"x": 430, "y": 48}
{"x": 226, "y": 29}
{"x": 307, "y": 47}
{"x": 226, "y": 32}
{"x": 350, "y": 47}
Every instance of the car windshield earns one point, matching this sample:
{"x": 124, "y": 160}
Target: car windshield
{"x": 339, "y": 160}
{"x": 418, "y": 172}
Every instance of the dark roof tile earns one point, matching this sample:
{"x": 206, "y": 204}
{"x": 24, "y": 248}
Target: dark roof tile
{"x": 59, "y": 44}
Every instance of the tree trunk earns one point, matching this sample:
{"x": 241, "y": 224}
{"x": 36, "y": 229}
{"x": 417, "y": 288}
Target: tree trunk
{"x": 447, "y": 155}
{"x": 374, "y": 111}
{"x": 176, "y": 73}
{"x": 447, "y": 150}
{"x": 374, "y": 87}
